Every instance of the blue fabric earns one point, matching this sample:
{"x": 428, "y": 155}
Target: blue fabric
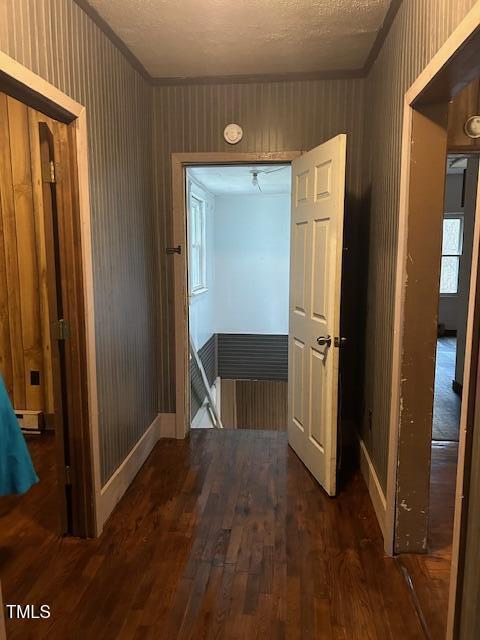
{"x": 17, "y": 474}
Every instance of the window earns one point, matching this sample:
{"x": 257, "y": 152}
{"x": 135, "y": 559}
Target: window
{"x": 197, "y": 271}
{"x": 452, "y": 247}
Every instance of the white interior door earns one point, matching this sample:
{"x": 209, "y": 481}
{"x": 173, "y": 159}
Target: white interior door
{"x": 318, "y": 194}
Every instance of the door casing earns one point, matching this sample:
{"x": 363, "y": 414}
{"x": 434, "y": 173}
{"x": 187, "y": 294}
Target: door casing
{"x": 80, "y": 371}
{"x": 180, "y": 162}
{"x": 416, "y": 299}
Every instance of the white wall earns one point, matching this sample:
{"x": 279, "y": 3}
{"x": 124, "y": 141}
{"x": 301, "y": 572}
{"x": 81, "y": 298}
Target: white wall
{"x": 202, "y": 310}
{"x": 248, "y": 256}
{"x": 252, "y": 255}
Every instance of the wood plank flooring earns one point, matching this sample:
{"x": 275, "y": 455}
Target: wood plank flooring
{"x": 224, "y": 536}
{"x": 446, "y": 403}
{"x": 430, "y": 573}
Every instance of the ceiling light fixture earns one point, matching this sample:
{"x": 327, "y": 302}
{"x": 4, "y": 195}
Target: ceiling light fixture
{"x": 255, "y": 180}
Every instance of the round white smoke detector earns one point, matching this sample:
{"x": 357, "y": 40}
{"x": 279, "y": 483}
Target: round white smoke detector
{"x": 472, "y": 127}
{"x": 233, "y": 133}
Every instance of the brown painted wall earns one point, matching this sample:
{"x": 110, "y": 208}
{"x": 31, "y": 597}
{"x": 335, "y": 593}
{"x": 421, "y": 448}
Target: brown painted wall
{"x": 58, "y": 41}
{"x": 277, "y": 116}
{"x": 419, "y": 30}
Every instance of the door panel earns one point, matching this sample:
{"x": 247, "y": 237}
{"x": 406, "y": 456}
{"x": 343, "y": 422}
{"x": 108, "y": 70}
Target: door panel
{"x": 319, "y": 272}
{"x": 299, "y": 256}
{"x": 317, "y": 383}
{"x": 298, "y": 378}
{"x": 318, "y": 193}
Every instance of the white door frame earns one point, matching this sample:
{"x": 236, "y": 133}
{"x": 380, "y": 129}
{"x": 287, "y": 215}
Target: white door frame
{"x": 452, "y": 73}
{"x": 180, "y": 162}
{"x": 60, "y": 103}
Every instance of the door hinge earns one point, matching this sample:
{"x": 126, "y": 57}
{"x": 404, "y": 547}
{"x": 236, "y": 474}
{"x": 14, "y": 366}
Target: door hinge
{"x": 62, "y": 329}
{"x": 177, "y": 249}
{"x": 48, "y": 171}
{"x": 68, "y": 475}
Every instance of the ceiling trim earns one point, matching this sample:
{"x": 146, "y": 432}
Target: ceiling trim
{"x": 266, "y": 77}
{"x": 341, "y": 74}
{"x": 382, "y": 35}
{"x": 112, "y": 36}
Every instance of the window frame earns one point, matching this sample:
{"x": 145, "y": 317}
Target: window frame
{"x": 449, "y": 216}
{"x": 202, "y": 286}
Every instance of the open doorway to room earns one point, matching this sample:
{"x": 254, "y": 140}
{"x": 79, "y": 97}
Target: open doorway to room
{"x": 430, "y": 573}
{"x": 435, "y": 372}
{"x": 314, "y": 298}
{"x": 42, "y": 339}
{"x": 32, "y": 353}
{"x": 238, "y": 220}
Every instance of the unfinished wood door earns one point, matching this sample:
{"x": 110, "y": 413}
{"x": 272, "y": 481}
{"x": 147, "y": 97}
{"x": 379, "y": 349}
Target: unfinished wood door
{"x": 318, "y": 193}
{"x": 29, "y": 350}
{"x": 25, "y": 340}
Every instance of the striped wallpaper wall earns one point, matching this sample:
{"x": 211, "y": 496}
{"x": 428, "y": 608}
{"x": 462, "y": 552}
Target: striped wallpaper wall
{"x": 276, "y": 116}
{"x": 58, "y": 41}
{"x": 419, "y": 30}
{"x": 252, "y": 356}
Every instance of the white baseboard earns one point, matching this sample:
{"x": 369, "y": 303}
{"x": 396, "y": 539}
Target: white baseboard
{"x": 374, "y": 488}
{"x": 110, "y": 495}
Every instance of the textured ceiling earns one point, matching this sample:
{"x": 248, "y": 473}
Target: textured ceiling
{"x": 191, "y": 38}
{"x": 226, "y": 180}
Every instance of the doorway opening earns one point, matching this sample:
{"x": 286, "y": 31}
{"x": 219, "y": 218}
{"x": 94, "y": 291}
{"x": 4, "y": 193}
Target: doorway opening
{"x": 42, "y": 341}
{"x": 440, "y": 112}
{"x": 238, "y": 219}
{"x": 33, "y": 359}
{"x": 458, "y": 225}
{"x": 315, "y": 277}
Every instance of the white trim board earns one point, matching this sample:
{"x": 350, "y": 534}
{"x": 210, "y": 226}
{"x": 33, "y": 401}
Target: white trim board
{"x": 375, "y": 490}
{"x": 112, "y": 492}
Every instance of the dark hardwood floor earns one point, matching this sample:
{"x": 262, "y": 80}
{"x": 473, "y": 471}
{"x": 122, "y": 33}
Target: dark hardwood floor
{"x": 224, "y": 536}
{"x": 447, "y": 403}
{"x": 430, "y": 573}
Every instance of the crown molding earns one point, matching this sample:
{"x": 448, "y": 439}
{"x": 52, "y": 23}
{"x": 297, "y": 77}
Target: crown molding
{"x": 112, "y": 36}
{"x": 262, "y": 77}
{"x": 341, "y": 74}
{"x": 382, "y": 35}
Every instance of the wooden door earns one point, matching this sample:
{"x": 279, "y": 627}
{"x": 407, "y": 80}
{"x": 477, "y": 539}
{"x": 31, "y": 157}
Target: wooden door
{"x": 318, "y": 193}
{"x": 25, "y": 341}
{"x": 30, "y": 282}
